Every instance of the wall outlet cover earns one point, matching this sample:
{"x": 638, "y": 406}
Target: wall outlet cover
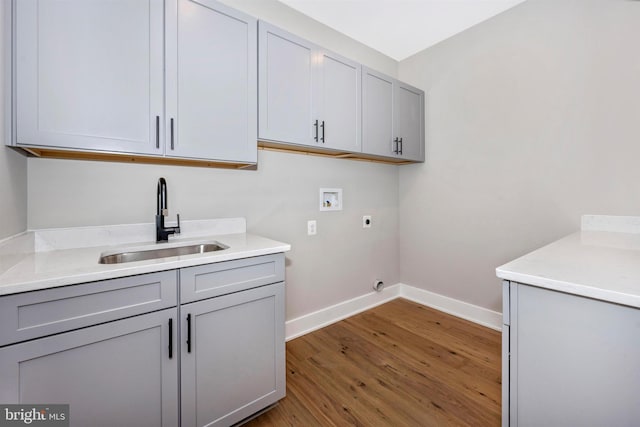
{"x": 312, "y": 229}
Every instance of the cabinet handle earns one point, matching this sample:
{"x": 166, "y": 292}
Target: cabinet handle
{"x": 157, "y": 131}
{"x": 171, "y": 133}
{"x": 323, "y": 130}
{"x": 316, "y": 126}
{"x": 400, "y": 141}
{"x": 189, "y": 333}
{"x": 170, "y": 338}
{"x": 396, "y": 145}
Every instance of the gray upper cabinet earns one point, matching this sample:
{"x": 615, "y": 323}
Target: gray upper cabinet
{"x": 338, "y": 103}
{"x": 409, "y": 121}
{"x": 392, "y": 117}
{"x": 285, "y": 87}
{"x": 212, "y": 83}
{"x": 89, "y": 75}
{"x": 307, "y": 95}
{"x": 195, "y": 80}
{"x": 377, "y": 113}
{"x": 173, "y": 78}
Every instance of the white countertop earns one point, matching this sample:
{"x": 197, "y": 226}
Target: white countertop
{"x": 601, "y": 261}
{"x": 44, "y": 259}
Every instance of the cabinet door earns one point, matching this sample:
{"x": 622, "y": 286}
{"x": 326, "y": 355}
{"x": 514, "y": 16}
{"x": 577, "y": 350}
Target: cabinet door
{"x": 409, "y": 121}
{"x": 338, "y": 102}
{"x": 89, "y": 74}
{"x": 115, "y": 374}
{"x": 506, "y": 352}
{"x": 285, "y": 88}
{"x": 377, "y": 114}
{"x": 575, "y": 361}
{"x": 212, "y": 83}
{"x": 233, "y": 365}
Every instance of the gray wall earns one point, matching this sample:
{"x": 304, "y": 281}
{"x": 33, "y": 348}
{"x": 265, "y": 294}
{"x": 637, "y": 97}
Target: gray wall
{"x": 13, "y": 166}
{"x": 533, "y": 119}
{"x": 339, "y": 263}
{"x": 279, "y": 14}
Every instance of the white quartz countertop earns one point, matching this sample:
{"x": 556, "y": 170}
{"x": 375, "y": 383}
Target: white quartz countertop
{"x": 601, "y": 261}
{"x": 37, "y": 261}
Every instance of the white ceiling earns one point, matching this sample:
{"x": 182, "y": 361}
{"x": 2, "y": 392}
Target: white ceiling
{"x": 400, "y": 28}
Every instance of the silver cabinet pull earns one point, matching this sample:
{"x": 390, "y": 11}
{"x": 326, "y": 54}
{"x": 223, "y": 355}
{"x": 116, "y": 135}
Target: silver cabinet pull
{"x": 157, "y": 131}
{"x": 172, "y": 133}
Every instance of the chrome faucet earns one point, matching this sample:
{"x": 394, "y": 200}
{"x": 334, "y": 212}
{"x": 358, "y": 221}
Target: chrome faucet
{"x": 162, "y": 232}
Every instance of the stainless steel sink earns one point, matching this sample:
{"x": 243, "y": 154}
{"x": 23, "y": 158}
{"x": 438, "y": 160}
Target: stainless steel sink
{"x": 141, "y": 255}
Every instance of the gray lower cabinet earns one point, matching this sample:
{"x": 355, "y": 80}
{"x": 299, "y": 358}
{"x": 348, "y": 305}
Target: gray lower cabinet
{"x": 233, "y": 356}
{"x": 572, "y": 361}
{"x": 115, "y": 374}
{"x": 506, "y": 351}
{"x": 118, "y": 350}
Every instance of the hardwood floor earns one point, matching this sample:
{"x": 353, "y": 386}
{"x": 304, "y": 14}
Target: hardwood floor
{"x": 399, "y": 364}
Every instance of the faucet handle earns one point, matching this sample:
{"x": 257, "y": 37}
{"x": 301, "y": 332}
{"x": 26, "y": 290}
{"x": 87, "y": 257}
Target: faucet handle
{"x": 177, "y": 228}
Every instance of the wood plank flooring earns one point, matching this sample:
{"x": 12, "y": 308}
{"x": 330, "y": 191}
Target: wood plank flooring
{"x": 399, "y": 364}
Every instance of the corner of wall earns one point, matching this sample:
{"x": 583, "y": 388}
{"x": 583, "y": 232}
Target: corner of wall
{"x": 13, "y": 165}
{"x": 289, "y": 19}
{"x": 326, "y": 316}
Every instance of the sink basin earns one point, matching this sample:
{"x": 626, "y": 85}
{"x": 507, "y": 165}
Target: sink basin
{"x": 199, "y": 248}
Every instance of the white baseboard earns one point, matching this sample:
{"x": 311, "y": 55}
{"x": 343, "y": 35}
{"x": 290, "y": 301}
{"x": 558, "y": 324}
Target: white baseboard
{"x": 326, "y": 316}
{"x": 473, "y": 313}
{"x": 319, "y": 319}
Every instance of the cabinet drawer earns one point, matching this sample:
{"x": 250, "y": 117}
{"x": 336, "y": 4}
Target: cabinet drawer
{"x": 206, "y": 281}
{"x": 35, "y": 314}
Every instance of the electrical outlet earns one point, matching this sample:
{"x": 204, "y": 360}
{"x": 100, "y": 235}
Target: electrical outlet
{"x": 311, "y": 228}
{"x": 366, "y": 221}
